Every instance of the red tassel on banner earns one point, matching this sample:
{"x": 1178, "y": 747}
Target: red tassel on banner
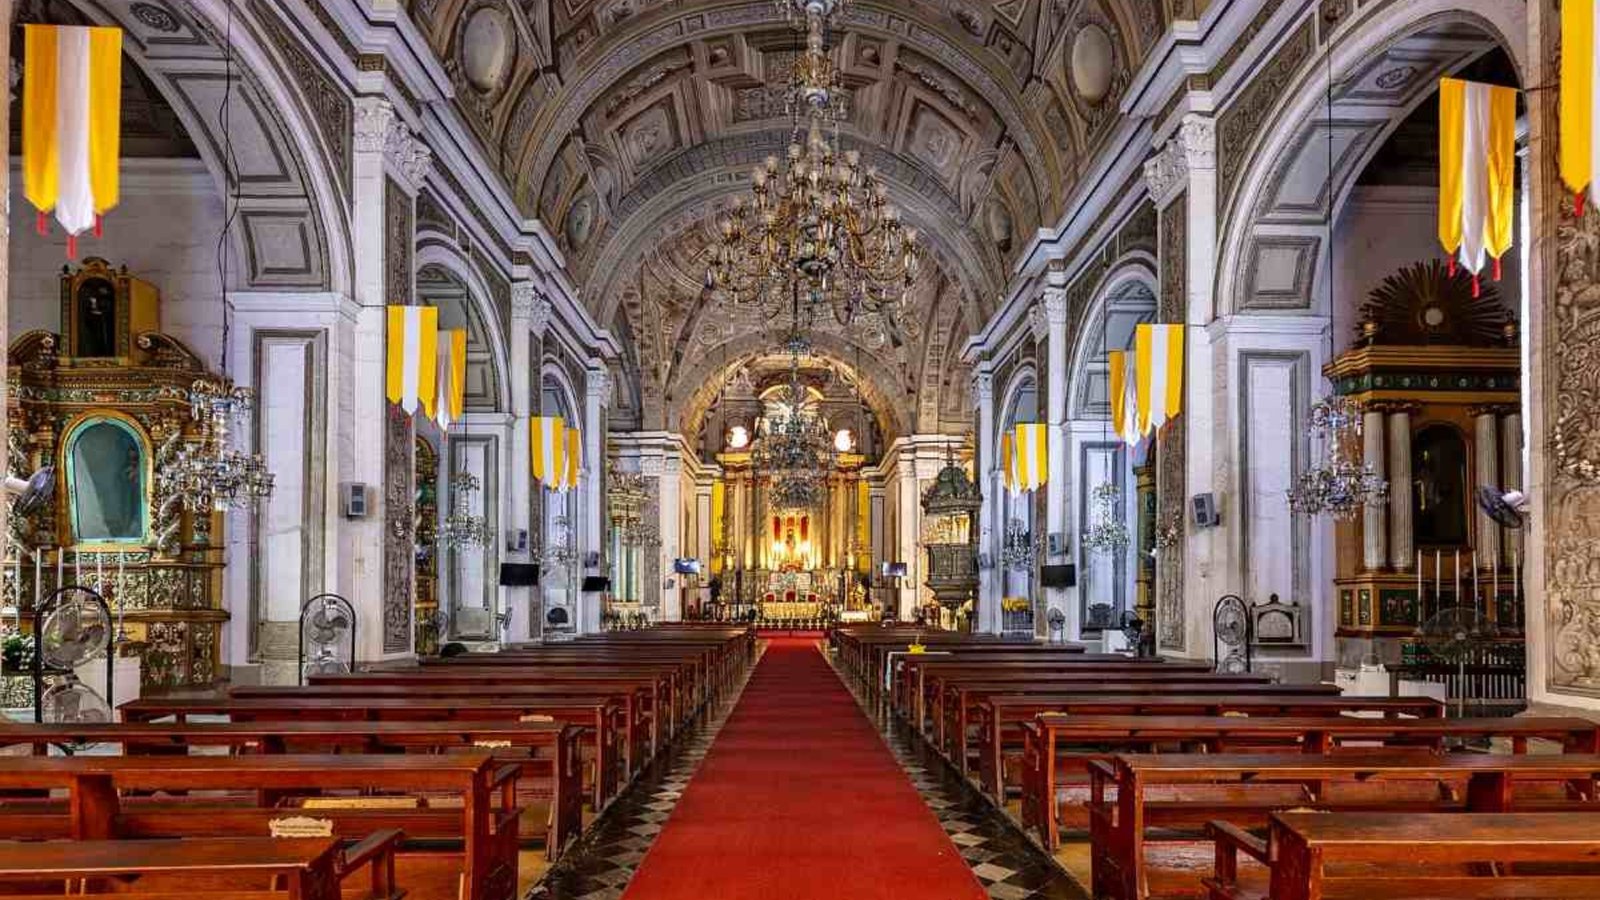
{"x": 1577, "y": 204}
{"x": 72, "y": 246}
{"x": 1477, "y": 289}
{"x": 1450, "y": 265}
{"x": 1497, "y": 268}
{"x": 41, "y": 225}
{"x": 99, "y": 226}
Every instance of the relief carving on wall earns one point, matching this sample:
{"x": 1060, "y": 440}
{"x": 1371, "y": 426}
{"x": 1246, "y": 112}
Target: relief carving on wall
{"x": 399, "y": 235}
{"x": 1171, "y": 488}
{"x": 399, "y": 531}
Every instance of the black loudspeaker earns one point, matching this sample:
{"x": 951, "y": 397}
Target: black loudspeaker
{"x": 595, "y": 584}
{"x": 1060, "y": 576}
{"x": 519, "y": 574}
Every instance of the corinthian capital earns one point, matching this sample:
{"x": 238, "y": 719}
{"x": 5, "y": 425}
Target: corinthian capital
{"x": 379, "y": 129}
{"x": 527, "y": 303}
{"x": 1193, "y": 148}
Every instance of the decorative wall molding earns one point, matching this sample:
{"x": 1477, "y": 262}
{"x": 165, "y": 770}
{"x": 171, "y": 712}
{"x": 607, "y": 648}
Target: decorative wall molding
{"x": 379, "y": 129}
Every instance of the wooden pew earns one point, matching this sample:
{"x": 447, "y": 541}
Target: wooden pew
{"x": 921, "y": 678}
{"x": 1141, "y": 800}
{"x": 597, "y": 716}
{"x": 635, "y": 735}
{"x": 952, "y": 701}
{"x": 463, "y": 849}
{"x": 546, "y": 753}
{"x": 998, "y": 718}
{"x": 1059, "y": 747}
{"x": 1358, "y": 856}
{"x": 216, "y": 868}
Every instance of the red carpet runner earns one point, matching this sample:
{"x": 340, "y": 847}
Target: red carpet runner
{"x": 799, "y": 798}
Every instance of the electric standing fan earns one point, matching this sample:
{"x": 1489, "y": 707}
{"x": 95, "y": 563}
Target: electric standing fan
{"x": 1506, "y": 508}
{"x": 71, "y": 627}
{"x": 1454, "y": 635}
{"x": 327, "y": 636}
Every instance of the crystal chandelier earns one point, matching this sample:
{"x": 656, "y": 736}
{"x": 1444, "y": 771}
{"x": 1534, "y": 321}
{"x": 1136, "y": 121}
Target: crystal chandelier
{"x": 818, "y": 229}
{"x": 204, "y": 473}
{"x": 627, "y": 495}
{"x": 462, "y": 529}
{"x": 1343, "y": 484}
{"x": 558, "y": 550}
{"x": 794, "y": 450}
{"x": 1018, "y": 550}
{"x": 1108, "y": 534}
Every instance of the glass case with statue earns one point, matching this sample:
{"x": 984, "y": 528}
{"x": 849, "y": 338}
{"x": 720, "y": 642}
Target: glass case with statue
{"x": 132, "y": 432}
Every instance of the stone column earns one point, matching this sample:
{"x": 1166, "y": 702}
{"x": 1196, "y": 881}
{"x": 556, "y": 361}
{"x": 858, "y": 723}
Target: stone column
{"x": 596, "y": 396}
{"x": 986, "y": 617}
{"x": 1486, "y": 471}
{"x": 530, "y": 318}
{"x": 1511, "y": 480}
{"x": 910, "y": 533}
{"x": 671, "y": 524}
{"x": 1058, "y": 491}
{"x": 1374, "y": 519}
{"x": 389, "y": 165}
{"x": 1402, "y": 540}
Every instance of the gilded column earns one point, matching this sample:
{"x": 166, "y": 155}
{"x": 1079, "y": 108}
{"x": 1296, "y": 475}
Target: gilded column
{"x": 1374, "y": 519}
{"x": 1402, "y": 545}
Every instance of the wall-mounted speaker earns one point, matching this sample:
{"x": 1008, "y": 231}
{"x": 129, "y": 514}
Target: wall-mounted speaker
{"x": 516, "y": 540}
{"x": 355, "y": 500}
{"x": 1205, "y": 510}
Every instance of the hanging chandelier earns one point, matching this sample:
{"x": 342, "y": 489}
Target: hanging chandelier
{"x": 818, "y": 229}
{"x": 1343, "y": 484}
{"x": 558, "y": 549}
{"x": 202, "y": 471}
{"x": 627, "y": 495}
{"x": 1018, "y": 550}
{"x": 1108, "y": 534}
{"x": 462, "y": 529}
{"x": 794, "y": 449}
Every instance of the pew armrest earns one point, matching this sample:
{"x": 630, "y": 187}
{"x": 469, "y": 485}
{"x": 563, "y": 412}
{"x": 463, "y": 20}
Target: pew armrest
{"x": 1236, "y": 838}
{"x": 504, "y": 774}
{"x": 369, "y": 849}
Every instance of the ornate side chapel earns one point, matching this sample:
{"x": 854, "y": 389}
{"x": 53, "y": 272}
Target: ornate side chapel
{"x": 109, "y": 407}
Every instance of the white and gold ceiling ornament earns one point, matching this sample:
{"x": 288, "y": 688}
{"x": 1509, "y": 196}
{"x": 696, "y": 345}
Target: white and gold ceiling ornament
{"x": 817, "y": 230}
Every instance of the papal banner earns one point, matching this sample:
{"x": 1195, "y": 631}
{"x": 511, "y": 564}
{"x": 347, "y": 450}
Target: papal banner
{"x": 1477, "y": 166}
{"x": 413, "y": 358}
{"x": 71, "y": 124}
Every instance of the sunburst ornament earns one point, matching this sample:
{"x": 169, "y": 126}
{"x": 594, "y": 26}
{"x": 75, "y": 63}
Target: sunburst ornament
{"x": 1424, "y": 303}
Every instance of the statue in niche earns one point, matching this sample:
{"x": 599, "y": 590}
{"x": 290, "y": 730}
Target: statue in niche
{"x": 97, "y": 318}
{"x": 106, "y": 477}
{"x": 1440, "y": 487}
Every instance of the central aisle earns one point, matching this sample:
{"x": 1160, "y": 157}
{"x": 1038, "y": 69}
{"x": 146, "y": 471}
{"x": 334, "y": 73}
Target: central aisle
{"x": 799, "y": 798}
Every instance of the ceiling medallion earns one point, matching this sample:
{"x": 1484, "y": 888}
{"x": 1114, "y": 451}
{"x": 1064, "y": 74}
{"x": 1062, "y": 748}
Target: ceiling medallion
{"x": 818, "y": 229}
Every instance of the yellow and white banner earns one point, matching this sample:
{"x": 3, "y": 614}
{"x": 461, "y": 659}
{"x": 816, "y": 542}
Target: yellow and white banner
{"x": 1124, "y": 402}
{"x": 1008, "y": 463}
{"x": 574, "y": 459}
{"x": 1031, "y": 453}
{"x": 1477, "y": 164}
{"x": 413, "y": 358}
{"x": 71, "y": 124}
{"x": 1158, "y": 357}
{"x": 452, "y": 378}
{"x": 1579, "y": 118}
{"x": 549, "y": 450}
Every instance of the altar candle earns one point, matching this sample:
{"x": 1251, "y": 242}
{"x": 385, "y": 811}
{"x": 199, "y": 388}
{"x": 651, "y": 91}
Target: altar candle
{"x": 1458, "y": 577}
{"x": 1476, "y": 594}
{"x": 121, "y": 557}
{"x": 1419, "y": 581}
{"x": 1516, "y": 586}
{"x": 100, "y": 572}
{"x": 1494, "y": 581}
{"x": 77, "y": 567}
{"x": 61, "y": 566}
{"x": 1436, "y": 579}
{"x": 38, "y": 577}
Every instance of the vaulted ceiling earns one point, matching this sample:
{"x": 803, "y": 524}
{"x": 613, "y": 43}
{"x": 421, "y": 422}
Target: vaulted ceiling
{"x": 625, "y": 125}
